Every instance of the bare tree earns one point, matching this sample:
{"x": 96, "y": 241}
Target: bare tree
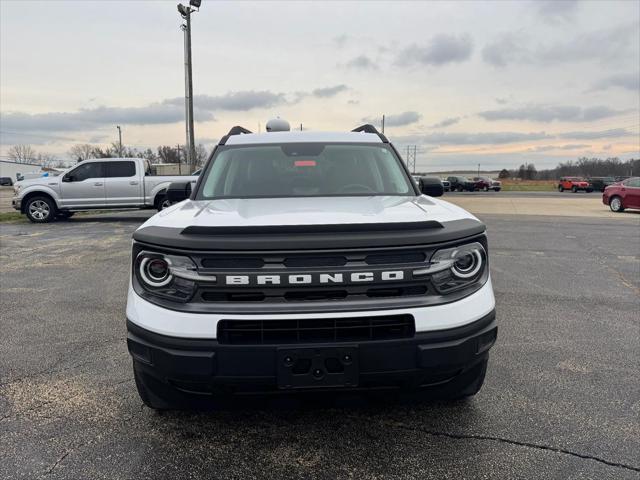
{"x": 46, "y": 159}
{"x": 81, "y": 151}
{"x": 22, "y": 154}
{"x": 201, "y": 155}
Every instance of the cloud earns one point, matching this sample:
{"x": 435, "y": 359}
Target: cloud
{"x": 547, "y": 113}
{"x": 329, "y": 91}
{"x": 575, "y": 146}
{"x": 501, "y": 101}
{"x": 507, "y": 48}
{"x": 604, "y": 45}
{"x": 397, "y": 120}
{"x": 442, "y": 49}
{"x": 234, "y": 101}
{"x": 482, "y": 138}
{"x": 353, "y": 102}
{"x": 628, "y": 81}
{"x": 165, "y": 112}
{"x": 361, "y": 62}
{"x": 554, "y": 10}
{"x": 341, "y": 40}
{"x": 89, "y": 118}
{"x": 447, "y": 122}
{"x": 612, "y": 133}
{"x": 546, "y": 148}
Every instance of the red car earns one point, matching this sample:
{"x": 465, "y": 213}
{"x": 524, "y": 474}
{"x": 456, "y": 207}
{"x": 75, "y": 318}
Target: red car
{"x": 486, "y": 184}
{"x": 574, "y": 184}
{"x": 625, "y": 194}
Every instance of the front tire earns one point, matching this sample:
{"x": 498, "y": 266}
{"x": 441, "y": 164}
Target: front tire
{"x": 561, "y": 189}
{"x": 40, "y": 209}
{"x": 615, "y": 204}
{"x": 162, "y": 203}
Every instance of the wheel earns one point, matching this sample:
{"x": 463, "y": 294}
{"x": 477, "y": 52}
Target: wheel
{"x": 64, "y": 215}
{"x": 560, "y": 188}
{"x": 496, "y": 189}
{"x": 162, "y": 203}
{"x": 40, "y": 209}
{"x": 466, "y": 385}
{"x": 574, "y": 189}
{"x": 589, "y": 190}
{"x": 459, "y": 189}
{"x": 615, "y": 204}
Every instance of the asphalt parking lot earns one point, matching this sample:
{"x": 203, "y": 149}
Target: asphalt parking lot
{"x": 561, "y": 400}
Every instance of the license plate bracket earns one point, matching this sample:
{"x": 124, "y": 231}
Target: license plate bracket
{"x": 317, "y": 367}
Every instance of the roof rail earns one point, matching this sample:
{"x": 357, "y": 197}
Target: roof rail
{"x": 237, "y": 130}
{"x": 368, "y": 128}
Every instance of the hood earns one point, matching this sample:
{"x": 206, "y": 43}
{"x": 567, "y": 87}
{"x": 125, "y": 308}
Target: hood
{"x": 35, "y": 181}
{"x": 306, "y": 211}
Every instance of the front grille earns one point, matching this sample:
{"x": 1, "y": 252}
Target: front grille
{"x": 318, "y": 330}
{"x": 282, "y": 295}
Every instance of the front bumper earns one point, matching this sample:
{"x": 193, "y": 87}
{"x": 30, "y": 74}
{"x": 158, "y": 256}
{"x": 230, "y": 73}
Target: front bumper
{"x": 205, "y": 366}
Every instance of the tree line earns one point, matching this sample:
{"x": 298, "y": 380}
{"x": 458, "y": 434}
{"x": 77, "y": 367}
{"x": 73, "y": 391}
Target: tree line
{"x": 583, "y": 167}
{"x": 85, "y": 151}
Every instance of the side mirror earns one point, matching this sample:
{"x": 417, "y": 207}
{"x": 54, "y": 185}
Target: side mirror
{"x": 178, "y": 191}
{"x": 431, "y": 186}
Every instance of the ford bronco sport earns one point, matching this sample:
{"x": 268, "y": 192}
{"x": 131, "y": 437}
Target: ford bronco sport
{"x": 307, "y": 261}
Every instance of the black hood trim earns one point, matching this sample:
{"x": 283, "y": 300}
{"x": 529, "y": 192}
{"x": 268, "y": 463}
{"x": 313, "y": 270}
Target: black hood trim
{"x": 316, "y": 237}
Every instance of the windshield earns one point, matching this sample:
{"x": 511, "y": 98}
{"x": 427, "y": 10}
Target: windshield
{"x": 304, "y": 170}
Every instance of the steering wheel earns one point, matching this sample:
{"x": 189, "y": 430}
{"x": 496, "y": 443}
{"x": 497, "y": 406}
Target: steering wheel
{"x": 356, "y": 187}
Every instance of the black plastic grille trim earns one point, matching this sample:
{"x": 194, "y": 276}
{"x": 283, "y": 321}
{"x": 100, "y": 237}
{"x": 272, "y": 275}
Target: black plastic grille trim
{"x": 315, "y": 330}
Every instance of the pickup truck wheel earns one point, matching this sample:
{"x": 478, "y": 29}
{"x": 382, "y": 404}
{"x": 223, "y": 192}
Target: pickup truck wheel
{"x": 615, "y": 204}
{"x": 162, "y": 203}
{"x": 574, "y": 189}
{"x": 466, "y": 385}
{"x": 40, "y": 209}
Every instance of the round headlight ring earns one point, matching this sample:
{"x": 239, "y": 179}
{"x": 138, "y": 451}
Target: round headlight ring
{"x": 155, "y": 271}
{"x": 471, "y": 265}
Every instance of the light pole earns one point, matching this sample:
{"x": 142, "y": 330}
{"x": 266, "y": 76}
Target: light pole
{"x": 185, "y": 13}
{"x": 119, "y": 140}
{"x": 478, "y": 170}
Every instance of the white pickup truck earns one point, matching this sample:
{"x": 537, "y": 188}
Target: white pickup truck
{"x": 113, "y": 183}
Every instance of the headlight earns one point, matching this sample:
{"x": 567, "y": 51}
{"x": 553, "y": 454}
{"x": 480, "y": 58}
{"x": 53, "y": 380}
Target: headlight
{"x": 169, "y": 276}
{"x": 452, "y": 269}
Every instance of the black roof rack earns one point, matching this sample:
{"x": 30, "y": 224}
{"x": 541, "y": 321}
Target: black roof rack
{"x": 368, "y": 128}
{"x": 237, "y": 130}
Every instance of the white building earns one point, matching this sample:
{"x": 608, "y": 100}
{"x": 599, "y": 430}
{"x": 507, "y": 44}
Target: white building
{"x": 12, "y": 169}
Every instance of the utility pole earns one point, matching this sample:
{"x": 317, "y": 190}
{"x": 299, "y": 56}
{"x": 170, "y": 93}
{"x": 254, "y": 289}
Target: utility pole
{"x": 411, "y": 157}
{"x": 119, "y": 140}
{"x": 478, "y": 170}
{"x": 185, "y": 13}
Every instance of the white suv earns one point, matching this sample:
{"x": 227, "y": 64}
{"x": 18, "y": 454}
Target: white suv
{"x": 304, "y": 261}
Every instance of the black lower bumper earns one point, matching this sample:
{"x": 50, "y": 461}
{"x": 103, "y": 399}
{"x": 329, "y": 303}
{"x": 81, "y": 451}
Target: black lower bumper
{"x": 205, "y": 366}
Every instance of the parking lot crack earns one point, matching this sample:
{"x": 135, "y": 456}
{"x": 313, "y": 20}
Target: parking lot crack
{"x": 491, "y": 438}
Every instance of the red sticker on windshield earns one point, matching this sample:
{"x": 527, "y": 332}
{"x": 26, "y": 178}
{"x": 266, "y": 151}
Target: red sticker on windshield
{"x": 305, "y": 163}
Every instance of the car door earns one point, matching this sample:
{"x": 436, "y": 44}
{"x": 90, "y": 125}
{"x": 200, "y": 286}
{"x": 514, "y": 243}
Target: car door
{"x": 123, "y": 186}
{"x": 83, "y": 187}
{"x": 631, "y": 193}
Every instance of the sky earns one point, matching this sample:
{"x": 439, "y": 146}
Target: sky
{"x": 491, "y": 83}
